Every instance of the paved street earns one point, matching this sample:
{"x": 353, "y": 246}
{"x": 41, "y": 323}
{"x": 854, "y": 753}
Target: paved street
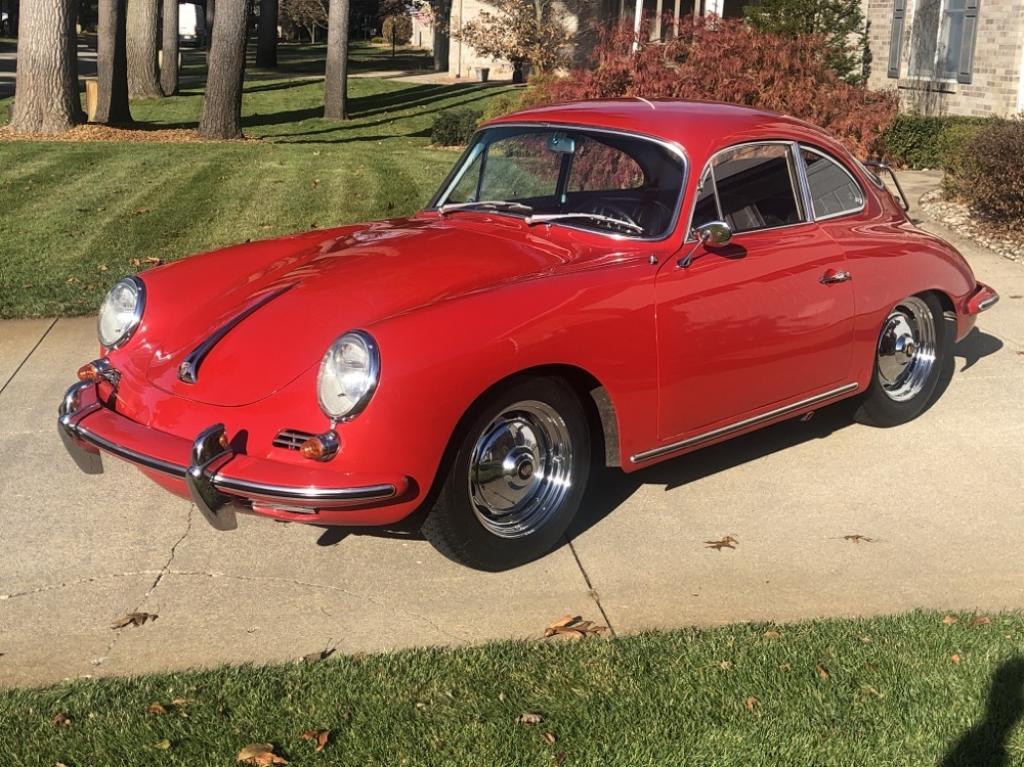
{"x": 940, "y": 499}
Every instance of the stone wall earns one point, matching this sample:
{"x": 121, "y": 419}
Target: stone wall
{"x": 997, "y": 86}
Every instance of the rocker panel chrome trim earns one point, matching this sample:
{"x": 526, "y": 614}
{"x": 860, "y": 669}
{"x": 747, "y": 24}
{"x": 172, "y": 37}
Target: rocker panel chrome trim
{"x": 740, "y": 425}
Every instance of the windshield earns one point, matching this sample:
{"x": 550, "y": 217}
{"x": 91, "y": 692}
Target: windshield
{"x": 589, "y": 179}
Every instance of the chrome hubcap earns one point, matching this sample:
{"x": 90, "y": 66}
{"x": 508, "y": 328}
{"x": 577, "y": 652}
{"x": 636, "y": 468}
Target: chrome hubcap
{"x": 906, "y": 350}
{"x": 521, "y": 469}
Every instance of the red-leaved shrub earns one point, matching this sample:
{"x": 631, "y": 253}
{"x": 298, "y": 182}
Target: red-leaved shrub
{"x": 715, "y": 59}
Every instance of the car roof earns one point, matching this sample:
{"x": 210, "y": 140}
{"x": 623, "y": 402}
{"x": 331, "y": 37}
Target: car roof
{"x": 701, "y": 127}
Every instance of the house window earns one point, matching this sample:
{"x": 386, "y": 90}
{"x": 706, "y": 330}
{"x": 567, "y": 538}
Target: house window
{"x": 937, "y": 39}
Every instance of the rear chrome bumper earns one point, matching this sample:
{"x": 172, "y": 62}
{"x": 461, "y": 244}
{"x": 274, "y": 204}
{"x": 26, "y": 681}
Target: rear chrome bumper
{"x": 216, "y": 474}
{"x": 981, "y": 299}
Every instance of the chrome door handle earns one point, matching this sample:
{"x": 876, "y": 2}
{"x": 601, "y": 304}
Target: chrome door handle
{"x": 832, "y": 276}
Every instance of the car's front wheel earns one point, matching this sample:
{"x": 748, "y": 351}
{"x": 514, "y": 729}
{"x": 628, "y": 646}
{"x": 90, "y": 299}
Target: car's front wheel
{"x": 516, "y": 477}
{"x": 913, "y": 347}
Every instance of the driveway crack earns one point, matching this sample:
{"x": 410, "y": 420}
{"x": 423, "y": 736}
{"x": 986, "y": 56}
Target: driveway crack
{"x": 591, "y": 590}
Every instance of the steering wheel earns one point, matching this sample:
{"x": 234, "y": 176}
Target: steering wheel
{"x": 611, "y": 210}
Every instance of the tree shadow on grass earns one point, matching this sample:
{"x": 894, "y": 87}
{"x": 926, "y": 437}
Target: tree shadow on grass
{"x": 984, "y": 745}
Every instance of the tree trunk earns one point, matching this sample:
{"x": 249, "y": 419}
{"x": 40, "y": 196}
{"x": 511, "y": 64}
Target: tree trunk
{"x": 112, "y": 63}
{"x": 210, "y": 10}
{"x": 266, "y": 47}
{"x": 336, "y": 73}
{"x": 169, "y": 49}
{"x": 46, "y": 94}
{"x": 71, "y": 73}
{"x": 442, "y": 19}
{"x": 143, "y": 82}
{"x": 222, "y": 103}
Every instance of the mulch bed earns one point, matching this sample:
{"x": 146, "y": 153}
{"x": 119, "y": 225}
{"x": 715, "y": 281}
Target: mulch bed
{"x": 133, "y": 135}
{"x": 1005, "y": 240}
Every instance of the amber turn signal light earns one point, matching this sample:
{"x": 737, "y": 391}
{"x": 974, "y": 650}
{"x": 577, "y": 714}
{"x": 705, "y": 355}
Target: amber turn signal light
{"x": 88, "y": 372}
{"x": 322, "y": 447}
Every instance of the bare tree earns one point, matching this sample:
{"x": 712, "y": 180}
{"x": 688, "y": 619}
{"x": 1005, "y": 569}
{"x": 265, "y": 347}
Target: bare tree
{"x": 310, "y": 14}
{"x": 46, "y": 87}
{"x": 222, "y": 103}
{"x": 143, "y": 81}
{"x": 336, "y": 73}
{"x": 169, "y": 49}
{"x": 112, "y": 63}
{"x": 266, "y": 45}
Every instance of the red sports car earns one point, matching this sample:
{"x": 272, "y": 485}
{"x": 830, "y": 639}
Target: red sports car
{"x": 632, "y": 278}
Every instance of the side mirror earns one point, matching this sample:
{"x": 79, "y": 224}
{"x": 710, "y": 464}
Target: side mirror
{"x": 714, "y": 234}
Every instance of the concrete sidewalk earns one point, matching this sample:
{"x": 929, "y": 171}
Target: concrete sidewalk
{"x": 940, "y": 498}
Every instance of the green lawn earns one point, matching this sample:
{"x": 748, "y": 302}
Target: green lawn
{"x": 74, "y": 216}
{"x": 840, "y": 692}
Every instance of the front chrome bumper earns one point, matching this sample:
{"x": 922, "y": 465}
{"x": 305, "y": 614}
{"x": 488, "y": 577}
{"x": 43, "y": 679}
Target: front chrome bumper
{"x": 88, "y": 428}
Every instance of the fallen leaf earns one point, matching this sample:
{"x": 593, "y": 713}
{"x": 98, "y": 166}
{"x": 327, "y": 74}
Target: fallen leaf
{"x": 549, "y": 738}
{"x": 320, "y": 736}
{"x": 949, "y": 620}
{"x": 60, "y": 719}
{"x": 141, "y": 211}
{"x": 785, "y": 666}
{"x": 856, "y": 538}
{"x": 822, "y": 671}
{"x": 751, "y": 703}
{"x": 980, "y": 620}
{"x": 865, "y": 639}
{"x": 153, "y": 260}
{"x": 316, "y": 657}
{"x": 771, "y": 634}
{"x": 134, "y": 262}
{"x": 728, "y": 542}
{"x": 133, "y": 619}
{"x": 156, "y": 709}
{"x": 955, "y": 658}
{"x": 163, "y": 745}
{"x": 725, "y": 665}
{"x": 179, "y": 702}
{"x": 529, "y": 719}
{"x": 573, "y": 627}
{"x": 1016, "y": 296}
{"x": 260, "y": 754}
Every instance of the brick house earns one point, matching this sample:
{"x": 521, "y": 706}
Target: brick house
{"x": 581, "y": 14}
{"x": 961, "y": 57}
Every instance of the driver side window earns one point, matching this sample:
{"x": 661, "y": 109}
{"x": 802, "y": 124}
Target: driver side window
{"x": 750, "y": 187}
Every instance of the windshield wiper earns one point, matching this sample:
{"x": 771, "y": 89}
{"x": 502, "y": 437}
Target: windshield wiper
{"x": 486, "y": 204}
{"x": 546, "y": 218}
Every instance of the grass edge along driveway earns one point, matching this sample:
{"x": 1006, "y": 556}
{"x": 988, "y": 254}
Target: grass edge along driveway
{"x": 917, "y": 689}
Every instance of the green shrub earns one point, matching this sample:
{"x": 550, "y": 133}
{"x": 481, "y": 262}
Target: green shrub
{"x": 987, "y": 172}
{"x": 454, "y": 127}
{"x": 504, "y": 103}
{"x": 916, "y": 141}
{"x": 397, "y": 29}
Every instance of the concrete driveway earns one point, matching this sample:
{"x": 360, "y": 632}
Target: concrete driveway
{"x": 940, "y": 499}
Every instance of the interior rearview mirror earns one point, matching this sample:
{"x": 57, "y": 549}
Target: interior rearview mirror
{"x": 561, "y": 143}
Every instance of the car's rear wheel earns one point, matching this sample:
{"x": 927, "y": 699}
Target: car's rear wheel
{"x": 516, "y": 476}
{"x": 912, "y": 348}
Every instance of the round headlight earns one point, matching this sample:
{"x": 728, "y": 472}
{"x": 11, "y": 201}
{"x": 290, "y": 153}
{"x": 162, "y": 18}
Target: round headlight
{"x": 121, "y": 312}
{"x": 348, "y": 375}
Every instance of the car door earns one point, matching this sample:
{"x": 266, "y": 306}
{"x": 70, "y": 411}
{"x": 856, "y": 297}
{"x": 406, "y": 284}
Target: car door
{"x": 763, "y": 322}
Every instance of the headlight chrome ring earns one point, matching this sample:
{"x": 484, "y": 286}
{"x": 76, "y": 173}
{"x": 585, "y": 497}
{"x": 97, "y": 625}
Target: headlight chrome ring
{"x": 349, "y": 374}
{"x": 126, "y": 317}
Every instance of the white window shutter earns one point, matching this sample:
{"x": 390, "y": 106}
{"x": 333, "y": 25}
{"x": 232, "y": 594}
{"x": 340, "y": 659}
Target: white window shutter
{"x": 899, "y": 12}
{"x": 965, "y": 71}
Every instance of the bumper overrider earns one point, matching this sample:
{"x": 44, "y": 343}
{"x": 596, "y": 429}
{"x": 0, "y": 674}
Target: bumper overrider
{"x": 220, "y": 478}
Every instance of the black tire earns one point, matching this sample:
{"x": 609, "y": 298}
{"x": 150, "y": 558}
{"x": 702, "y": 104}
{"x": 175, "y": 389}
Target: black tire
{"x": 878, "y": 406}
{"x": 453, "y": 525}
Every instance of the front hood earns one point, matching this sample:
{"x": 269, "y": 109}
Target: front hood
{"x": 272, "y": 325}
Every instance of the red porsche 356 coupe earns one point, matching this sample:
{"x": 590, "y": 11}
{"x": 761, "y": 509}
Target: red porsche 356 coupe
{"x": 652, "y": 277}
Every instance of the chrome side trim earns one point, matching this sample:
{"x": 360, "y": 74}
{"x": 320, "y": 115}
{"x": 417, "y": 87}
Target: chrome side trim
{"x": 188, "y": 370}
{"x": 740, "y": 425}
